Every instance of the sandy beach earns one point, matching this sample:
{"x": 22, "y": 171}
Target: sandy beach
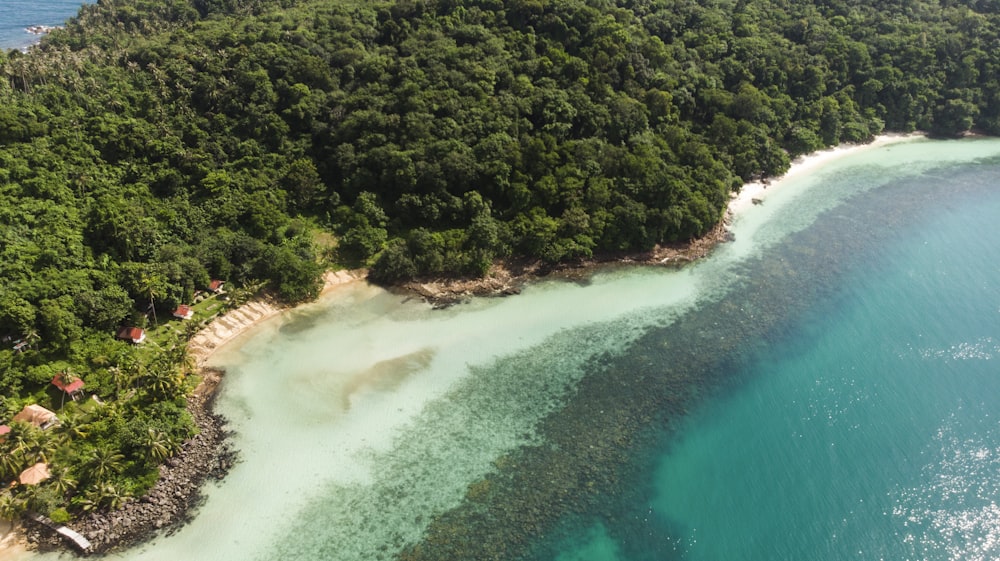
{"x": 231, "y": 325}
{"x": 12, "y": 545}
{"x": 227, "y": 328}
{"x": 759, "y": 190}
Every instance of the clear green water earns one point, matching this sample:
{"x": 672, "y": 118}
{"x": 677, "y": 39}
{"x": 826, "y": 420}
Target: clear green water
{"x": 825, "y": 387}
{"x": 868, "y": 426}
{"x": 871, "y": 430}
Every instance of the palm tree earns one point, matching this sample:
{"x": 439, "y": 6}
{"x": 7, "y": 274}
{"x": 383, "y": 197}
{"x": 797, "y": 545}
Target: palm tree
{"x": 158, "y": 445}
{"x": 151, "y": 283}
{"x": 177, "y": 354}
{"x": 62, "y": 481}
{"x": 163, "y": 379}
{"x": 17, "y": 445}
{"x": 75, "y": 425}
{"x": 125, "y": 373}
{"x": 104, "y": 495}
{"x": 39, "y": 446}
{"x": 122, "y": 376}
{"x": 103, "y": 463}
{"x": 11, "y": 464}
{"x": 10, "y": 507}
{"x": 66, "y": 378}
{"x": 90, "y": 500}
{"x": 112, "y": 496}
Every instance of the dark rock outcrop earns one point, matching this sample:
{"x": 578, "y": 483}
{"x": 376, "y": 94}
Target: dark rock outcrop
{"x": 172, "y": 500}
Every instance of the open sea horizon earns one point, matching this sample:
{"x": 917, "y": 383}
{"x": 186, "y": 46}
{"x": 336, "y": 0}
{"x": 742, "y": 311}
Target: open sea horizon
{"x": 17, "y": 15}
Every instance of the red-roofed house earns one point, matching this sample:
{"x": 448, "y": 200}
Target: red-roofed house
{"x": 4, "y": 430}
{"x": 216, "y": 285}
{"x": 184, "y": 312}
{"x": 71, "y": 385}
{"x": 133, "y": 334}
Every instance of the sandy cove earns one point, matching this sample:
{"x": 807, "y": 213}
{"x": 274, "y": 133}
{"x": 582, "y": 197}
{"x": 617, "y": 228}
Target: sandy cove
{"x": 177, "y": 493}
{"x": 225, "y": 328}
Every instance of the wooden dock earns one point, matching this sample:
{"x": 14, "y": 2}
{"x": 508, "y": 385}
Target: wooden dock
{"x": 81, "y": 543}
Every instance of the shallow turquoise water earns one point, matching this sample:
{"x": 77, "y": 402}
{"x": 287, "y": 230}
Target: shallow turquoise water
{"x": 822, "y": 388}
{"x": 867, "y": 427}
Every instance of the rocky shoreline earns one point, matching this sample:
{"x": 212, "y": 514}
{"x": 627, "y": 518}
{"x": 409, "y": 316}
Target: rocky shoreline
{"x": 208, "y": 455}
{"x": 172, "y": 500}
{"x": 508, "y": 277}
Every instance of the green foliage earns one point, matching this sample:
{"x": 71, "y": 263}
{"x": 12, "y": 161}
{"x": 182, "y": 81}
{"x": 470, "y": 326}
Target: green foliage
{"x": 582, "y": 127}
{"x": 154, "y": 145}
{"x": 60, "y": 516}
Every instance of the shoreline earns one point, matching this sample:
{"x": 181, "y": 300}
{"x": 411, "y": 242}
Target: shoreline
{"x": 175, "y": 497}
{"x": 224, "y": 329}
{"x": 13, "y": 544}
{"x": 508, "y": 277}
{"x": 758, "y": 190}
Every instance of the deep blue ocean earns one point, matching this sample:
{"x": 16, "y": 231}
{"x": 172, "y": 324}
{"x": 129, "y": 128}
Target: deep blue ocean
{"x": 825, "y": 388}
{"x": 861, "y": 417}
{"x": 17, "y": 15}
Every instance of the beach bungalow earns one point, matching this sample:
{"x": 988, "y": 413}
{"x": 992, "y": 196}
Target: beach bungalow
{"x": 184, "y": 312}
{"x": 38, "y": 416}
{"x": 134, "y": 334}
{"x": 69, "y": 384}
{"x": 35, "y": 474}
{"x": 216, "y": 285}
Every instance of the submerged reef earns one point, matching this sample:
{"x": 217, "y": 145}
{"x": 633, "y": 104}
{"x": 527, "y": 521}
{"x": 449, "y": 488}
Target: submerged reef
{"x": 590, "y": 456}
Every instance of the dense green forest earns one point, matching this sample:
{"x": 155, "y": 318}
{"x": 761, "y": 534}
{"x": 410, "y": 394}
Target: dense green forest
{"x": 153, "y": 145}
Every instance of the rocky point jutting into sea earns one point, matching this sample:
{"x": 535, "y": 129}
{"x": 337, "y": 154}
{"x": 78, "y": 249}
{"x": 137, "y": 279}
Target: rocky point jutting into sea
{"x": 551, "y": 425}
{"x": 174, "y": 497}
{"x": 207, "y": 456}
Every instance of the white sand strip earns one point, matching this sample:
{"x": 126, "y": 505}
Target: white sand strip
{"x": 227, "y": 327}
{"x": 759, "y": 190}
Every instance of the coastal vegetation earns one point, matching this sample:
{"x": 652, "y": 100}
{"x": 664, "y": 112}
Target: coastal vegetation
{"x": 152, "y": 146}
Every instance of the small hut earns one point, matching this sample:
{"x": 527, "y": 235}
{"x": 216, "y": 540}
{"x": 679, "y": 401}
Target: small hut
{"x": 38, "y": 416}
{"x": 216, "y": 285}
{"x": 35, "y": 474}
{"x": 133, "y": 334}
{"x": 69, "y": 384}
{"x": 184, "y": 312}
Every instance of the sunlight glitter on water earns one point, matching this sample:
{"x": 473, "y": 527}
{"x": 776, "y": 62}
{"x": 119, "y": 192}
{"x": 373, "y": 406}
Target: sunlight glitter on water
{"x": 363, "y": 416}
{"x": 953, "y": 514}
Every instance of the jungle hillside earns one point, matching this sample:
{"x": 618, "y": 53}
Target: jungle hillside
{"x": 153, "y": 146}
